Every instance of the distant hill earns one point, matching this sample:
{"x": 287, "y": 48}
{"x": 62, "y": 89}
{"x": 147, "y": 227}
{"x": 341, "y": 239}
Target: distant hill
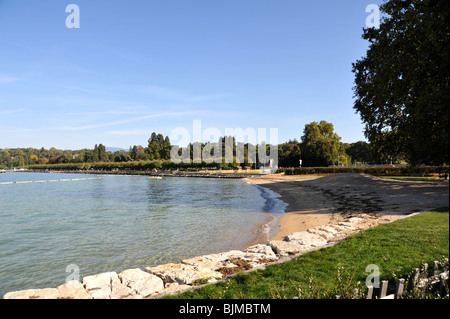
{"x": 114, "y": 149}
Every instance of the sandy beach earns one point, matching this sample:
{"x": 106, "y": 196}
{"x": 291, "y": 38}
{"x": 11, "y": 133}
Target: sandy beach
{"x": 316, "y": 201}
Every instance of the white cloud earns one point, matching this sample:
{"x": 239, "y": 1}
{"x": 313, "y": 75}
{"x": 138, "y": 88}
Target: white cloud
{"x": 8, "y": 79}
{"x": 130, "y": 132}
{"x": 211, "y": 97}
{"x": 163, "y": 93}
{"x": 11, "y": 111}
{"x": 171, "y": 94}
{"x": 125, "y": 121}
{"x": 131, "y": 111}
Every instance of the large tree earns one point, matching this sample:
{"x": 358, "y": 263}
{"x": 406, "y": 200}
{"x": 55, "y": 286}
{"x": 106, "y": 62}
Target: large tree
{"x": 402, "y": 85}
{"x": 320, "y": 146}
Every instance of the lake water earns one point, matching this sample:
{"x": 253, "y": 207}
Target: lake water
{"x": 112, "y": 223}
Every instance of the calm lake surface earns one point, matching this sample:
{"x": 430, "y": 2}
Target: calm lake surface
{"x": 112, "y": 223}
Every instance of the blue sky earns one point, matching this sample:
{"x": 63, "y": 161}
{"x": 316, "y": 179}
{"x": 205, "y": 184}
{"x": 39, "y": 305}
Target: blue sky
{"x": 134, "y": 67}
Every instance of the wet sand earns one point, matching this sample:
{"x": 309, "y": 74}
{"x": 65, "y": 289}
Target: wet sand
{"x": 315, "y": 201}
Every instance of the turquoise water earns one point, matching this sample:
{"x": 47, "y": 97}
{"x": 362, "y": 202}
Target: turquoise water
{"x": 113, "y": 223}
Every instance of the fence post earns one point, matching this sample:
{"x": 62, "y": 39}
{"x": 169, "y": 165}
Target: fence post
{"x": 383, "y": 291}
{"x": 401, "y": 285}
{"x": 416, "y": 277}
{"x": 441, "y": 286}
{"x": 369, "y": 292}
{"x": 425, "y": 269}
{"x": 435, "y": 267}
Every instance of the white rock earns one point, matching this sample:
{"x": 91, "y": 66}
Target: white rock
{"x": 324, "y": 234}
{"x": 338, "y": 228}
{"x": 213, "y": 261}
{"x": 347, "y": 225}
{"x": 121, "y": 291}
{"x": 46, "y": 293}
{"x": 100, "y": 281}
{"x": 262, "y": 249}
{"x": 284, "y": 248}
{"x": 141, "y": 282}
{"x": 182, "y": 273}
{"x": 355, "y": 220}
{"x": 73, "y": 290}
{"x": 306, "y": 239}
{"x": 328, "y": 229}
{"x": 106, "y": 286}
{"x": 217, "y": 261}
{"x": 257, "y": 257}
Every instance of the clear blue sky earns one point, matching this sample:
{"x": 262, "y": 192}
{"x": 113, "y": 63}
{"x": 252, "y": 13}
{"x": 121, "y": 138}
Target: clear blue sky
{"x": 134, "y": 67}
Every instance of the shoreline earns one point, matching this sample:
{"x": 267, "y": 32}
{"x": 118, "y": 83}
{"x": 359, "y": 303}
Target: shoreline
{"x": 297, "y": 216}
{"x": 274, "y": 207}
{"x": 314, "y": 201}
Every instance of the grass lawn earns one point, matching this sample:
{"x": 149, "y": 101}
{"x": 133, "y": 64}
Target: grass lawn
{"x": 396, "y": 248}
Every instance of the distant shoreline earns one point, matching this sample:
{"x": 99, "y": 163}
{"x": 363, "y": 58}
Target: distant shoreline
{"x": 163, "y": 173}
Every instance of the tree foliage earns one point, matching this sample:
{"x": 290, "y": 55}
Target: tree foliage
{"x": 402, "y": 84}
{"x": 321, "y": 146}
{"x": 289, "y": 154}
{"x": 158, "y": 147}
{"x": 360, "y": 152}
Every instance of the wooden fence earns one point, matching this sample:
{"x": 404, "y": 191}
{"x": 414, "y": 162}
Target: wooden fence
{"x": 415, "y": 281}
{"x": 437, "y": 278}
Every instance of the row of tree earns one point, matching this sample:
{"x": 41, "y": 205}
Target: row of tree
{"x": 19, "y": 157}
{"x": 319, "y": 146}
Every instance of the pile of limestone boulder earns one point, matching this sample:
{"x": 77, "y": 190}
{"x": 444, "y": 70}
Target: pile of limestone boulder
{"x": 154, "y": 282}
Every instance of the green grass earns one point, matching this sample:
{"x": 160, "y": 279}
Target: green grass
{"x": 397, "y": 247}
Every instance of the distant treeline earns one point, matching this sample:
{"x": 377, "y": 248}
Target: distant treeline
{"x": 146, "y": 165}
{"x": 320, "y": 146}
{"x": 289, "y": 155}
